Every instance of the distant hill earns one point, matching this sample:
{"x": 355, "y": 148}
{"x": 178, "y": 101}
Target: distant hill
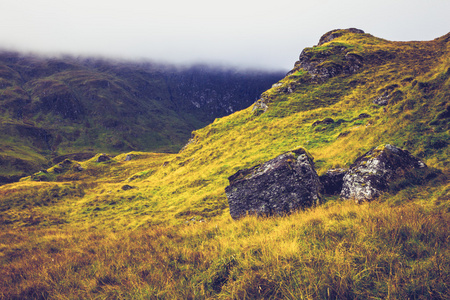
{"x": 144, "y": 225}
{"x": 51, "y": 107}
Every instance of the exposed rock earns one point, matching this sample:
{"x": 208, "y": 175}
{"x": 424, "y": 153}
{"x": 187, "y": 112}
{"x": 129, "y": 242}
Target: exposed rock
{"x": 332, "y": 181}
{"x": 372, "y": 173}
{"x": 128, "y": 157}
{"x": 343, "y": 134}
{"x": 363, "y": 116}
{"x": 388, "y": 94}
{"x": 324, "y": 121}
{"x": 260, "y": 105}
{"x": 382, "y": 100}
{"x": 321, "y": 65}
{"x": 65, "y": 163}
{"x": 58, "y": 170}
{"x": 127, "y": 187}
{"x": 103, "y": 157}
{"x": 78, "y": 168}
{"x": 333, "y": 34}
{"x": 332, "y": 60}
{"x": 276, "y": 187}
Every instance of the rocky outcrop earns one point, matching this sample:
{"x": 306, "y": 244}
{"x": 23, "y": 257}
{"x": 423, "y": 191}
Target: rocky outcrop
{"x": 322, "y": 65}
{"x": 324, "y": 62}
{"x": 332, "y": 181}
{"x": 382, "y": 100}
{"x": 260, "y": 106}
{"x": 373, "y": 172}
{"x": 279, "y": 186}
{"x": 103, "y": 157}
{"x": 333, "y": 34}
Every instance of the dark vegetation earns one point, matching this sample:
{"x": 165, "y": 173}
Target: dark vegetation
{"x": 51, "y": 107}
{"x": 158, "y": 226}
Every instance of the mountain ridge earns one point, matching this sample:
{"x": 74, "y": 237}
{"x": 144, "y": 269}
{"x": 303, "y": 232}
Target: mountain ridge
{"x": 335, "y": 118}
{"x": 52, "y": 107}
{"x": 158, "y": 225}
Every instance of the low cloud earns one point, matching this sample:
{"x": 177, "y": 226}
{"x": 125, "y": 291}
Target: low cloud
{"x": 264, "y": 34}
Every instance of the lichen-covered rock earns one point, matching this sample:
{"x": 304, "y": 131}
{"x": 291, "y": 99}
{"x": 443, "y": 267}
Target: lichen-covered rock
{"x": 322, "y": 65}
{"x": 276, "y": 187}
{"x": 330, "y": 60}
{"x": 372, "y": 173}
{"x": 332, "y": 181}
{"x": 382, "y": 100}
{"x": 260, "y": 106}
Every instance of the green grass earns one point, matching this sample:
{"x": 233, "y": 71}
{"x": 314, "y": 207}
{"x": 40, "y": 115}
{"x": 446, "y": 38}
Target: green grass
{"x": 339, "y": 250}
{"x": 54, "y": 107}
{"x": 158, "y": 226}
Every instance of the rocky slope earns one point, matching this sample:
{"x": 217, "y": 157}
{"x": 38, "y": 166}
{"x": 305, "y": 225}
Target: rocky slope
{"x": 335, "y": 118}
{"x": 57, "y": 106}
{"x": 158, "y": 225}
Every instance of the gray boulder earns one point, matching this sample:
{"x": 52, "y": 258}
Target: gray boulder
{"x": 277, "y": 187}
{"x": 373, "y": 172}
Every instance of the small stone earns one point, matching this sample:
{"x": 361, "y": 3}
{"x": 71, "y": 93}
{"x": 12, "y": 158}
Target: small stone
{"x": 127, "y": 187}
{"x": 103, "y": 158}
{"x": 78, "y": 168}
{"x": 57, "y": 170}
{"x": 382, "y": 100}
{"x": 364, "y": 116}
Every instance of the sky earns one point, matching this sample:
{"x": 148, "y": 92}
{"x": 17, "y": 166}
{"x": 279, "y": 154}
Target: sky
{"x": 239, "y": 33}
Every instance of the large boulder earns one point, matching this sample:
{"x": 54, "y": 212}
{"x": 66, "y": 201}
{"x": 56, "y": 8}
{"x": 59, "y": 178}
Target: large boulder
{"x": 373, "y": 172}
{"x": 277, "y": 187}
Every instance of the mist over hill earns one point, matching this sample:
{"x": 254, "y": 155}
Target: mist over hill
{"x": 60, "y": 106}
{"x": 159, "y": 225}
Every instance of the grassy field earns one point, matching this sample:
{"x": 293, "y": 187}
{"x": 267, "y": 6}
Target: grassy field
{"x": 158, "y": 226}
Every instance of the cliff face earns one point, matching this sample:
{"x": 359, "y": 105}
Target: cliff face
{"x": 50, "y": 107}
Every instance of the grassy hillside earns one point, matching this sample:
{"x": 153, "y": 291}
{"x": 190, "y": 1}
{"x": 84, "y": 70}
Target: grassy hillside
{"x": 55, "y": 107}
{"x": 158, "y": 225}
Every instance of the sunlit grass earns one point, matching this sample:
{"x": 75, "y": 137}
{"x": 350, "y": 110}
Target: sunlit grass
{"x": 339, "y": 250}
{"x": 158, "y": 226}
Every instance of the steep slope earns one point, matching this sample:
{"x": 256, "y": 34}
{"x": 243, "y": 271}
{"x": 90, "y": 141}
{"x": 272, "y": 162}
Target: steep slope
{"x": 148, "y": 225}
{"x": 413, "y": 76}
{"x": 340, "y": 80}
{"x": 54, "y": 107}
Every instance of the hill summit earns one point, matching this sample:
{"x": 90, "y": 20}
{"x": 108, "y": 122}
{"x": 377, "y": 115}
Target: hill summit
{"x": 158, "y": 225}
